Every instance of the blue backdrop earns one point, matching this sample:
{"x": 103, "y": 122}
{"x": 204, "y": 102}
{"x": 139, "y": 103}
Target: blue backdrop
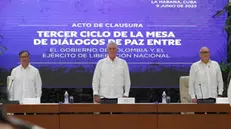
{"x": 158, "y": 38}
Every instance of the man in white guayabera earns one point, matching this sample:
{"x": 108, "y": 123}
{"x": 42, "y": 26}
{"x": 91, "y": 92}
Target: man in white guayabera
{"x": 205, "y": 79}
{"x": 229, "y": 92}
{"x": 111, "y": 79}
{"x": 26, "y": 81}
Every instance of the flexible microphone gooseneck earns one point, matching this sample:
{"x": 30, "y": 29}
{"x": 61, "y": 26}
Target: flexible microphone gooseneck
{"x": 15, "y": 122}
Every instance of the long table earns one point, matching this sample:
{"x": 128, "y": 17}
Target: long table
{"x": 220, "y": 119}
{"x": 87, "y": 116}
{"x": 124, "y": 116}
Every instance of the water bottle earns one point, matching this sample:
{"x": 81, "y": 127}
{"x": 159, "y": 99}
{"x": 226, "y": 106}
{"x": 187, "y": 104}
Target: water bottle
{"x": 66, "y": 97}
{"x": 164, "y": 97}
{"x": 71, "y": 99}
{"x": 168, "y": 99}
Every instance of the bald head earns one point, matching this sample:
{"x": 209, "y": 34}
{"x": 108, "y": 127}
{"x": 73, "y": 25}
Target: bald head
{"x": 204, "y": 49}
{"x": 205, "y": 54}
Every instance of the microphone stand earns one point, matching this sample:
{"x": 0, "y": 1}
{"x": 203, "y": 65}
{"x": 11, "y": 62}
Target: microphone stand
{"x": 201, "y": 93}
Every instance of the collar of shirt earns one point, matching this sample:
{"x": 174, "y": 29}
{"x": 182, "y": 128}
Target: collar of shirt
{"x": 26, "y": 67}
{"x": 209, "y": 62}
{"x": 109, "y": 59}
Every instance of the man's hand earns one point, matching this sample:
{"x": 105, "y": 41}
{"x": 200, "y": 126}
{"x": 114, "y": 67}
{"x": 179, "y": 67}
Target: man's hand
{"x": 194, "y": 100}
{"x": 5, "y": 126}
{"x": 219, "y": 96}
{"x": 96, "y": 98}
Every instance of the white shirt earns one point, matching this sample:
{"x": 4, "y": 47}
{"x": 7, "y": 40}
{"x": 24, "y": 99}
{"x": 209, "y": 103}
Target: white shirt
{"x": 26, "y": 83}
{"x": 111, "y": 78}
{"x": 205, "y": 80}
{"x": 229, "y": 92}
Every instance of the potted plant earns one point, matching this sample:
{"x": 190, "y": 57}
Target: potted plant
{"x": 2, "y": 48}
{"x": 226, "y": 67}
{"x": 226, "y": 74}
{"x": 3, "y": 95}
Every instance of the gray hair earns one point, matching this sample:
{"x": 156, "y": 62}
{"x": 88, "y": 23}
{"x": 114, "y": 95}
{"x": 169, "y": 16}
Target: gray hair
{"x": 112, "y": 43}
{"x": 204, "y": 48}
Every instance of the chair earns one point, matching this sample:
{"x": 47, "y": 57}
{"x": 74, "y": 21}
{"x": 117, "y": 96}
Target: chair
{"x": 8, "y": 82}
{"x": 9, "y": 87}
{"x": 184, "y": 91}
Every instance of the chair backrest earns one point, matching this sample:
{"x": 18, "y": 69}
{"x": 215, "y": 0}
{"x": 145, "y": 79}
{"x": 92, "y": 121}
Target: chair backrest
{"x": 184, "y": 90}
{"x": 8, "y": 81}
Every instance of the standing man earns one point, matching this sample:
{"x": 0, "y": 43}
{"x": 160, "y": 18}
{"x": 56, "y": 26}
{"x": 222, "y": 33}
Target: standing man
{"x": 205, "y": 79}
{"x": 229, "y": 92}
{"x": 111, "y": 78}
{"x": 26, "y": 80}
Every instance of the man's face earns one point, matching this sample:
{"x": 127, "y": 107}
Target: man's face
{"x": 24, "y": 58}
{"x": 112, "y": 50}
{"x": 204, "y": 54}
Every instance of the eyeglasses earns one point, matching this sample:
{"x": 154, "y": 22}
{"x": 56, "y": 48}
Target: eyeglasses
{"x": 24, "y": 56}
{"x": 204, "y": 52}
{"x": 112, "y": 48}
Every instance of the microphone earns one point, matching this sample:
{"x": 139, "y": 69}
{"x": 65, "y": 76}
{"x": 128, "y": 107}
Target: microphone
{"x": 201, "y": 91}
{"x": 11, "y": 84}
{"x": 15, "y": 122}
